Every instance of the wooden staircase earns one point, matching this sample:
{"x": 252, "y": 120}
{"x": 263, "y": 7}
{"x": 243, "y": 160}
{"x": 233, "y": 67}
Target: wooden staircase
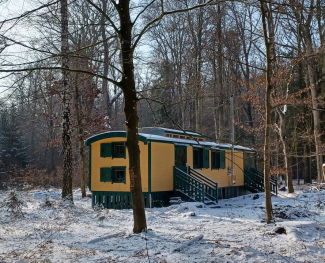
{"x": 194, "y": 186}
{"x": 254, "y": 181}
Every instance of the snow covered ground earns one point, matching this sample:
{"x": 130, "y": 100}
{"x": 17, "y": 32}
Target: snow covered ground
{"x": 235, "y": 232}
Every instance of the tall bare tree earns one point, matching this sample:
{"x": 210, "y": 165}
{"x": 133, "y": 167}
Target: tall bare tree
{"x": 266, "y": 19}
{"x": 66, "y": 125}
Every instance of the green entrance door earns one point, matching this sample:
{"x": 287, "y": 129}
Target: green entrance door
{"x": 181, "y": 157}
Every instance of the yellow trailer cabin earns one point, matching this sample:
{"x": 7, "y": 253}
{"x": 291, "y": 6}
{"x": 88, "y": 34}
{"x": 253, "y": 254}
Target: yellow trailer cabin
{"x": 173, "y": 164}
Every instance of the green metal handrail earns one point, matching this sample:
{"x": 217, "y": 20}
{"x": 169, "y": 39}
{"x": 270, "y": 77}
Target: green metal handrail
{"x": 211, "y": 187}
{"x": 188, "y": 185}
{"x": 254, "y": 179}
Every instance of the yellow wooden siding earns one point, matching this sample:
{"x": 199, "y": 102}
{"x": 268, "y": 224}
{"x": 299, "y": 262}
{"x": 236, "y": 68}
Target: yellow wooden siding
{"x": 162, "y": 165}
{"x": 239, "y": 167}
{"x": 97, "y": 162}
{"x": 220, "y": 176}
{"x": 190, "y": 156}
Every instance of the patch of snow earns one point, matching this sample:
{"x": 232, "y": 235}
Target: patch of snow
{"x": 188, "y": 232}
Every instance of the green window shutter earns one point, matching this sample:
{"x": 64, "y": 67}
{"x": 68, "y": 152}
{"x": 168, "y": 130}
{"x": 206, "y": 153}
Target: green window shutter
{"x": 105, "y": 174}
{"x": 213, "y": 160}
{"x": 222, "y": 159}
{"x": 205, "y": 158}
{"x": 106, "y": 150}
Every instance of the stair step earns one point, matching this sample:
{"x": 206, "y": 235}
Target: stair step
{"x": 175, "y": 198}
{"x": 175, "y": 202}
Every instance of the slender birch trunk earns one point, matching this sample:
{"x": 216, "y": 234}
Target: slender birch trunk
{"x": 66, "y": 129}
{"x": 268, "y": 111}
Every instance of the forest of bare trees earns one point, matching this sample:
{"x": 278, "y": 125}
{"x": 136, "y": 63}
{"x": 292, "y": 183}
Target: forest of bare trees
{"x": 122, "y": 65}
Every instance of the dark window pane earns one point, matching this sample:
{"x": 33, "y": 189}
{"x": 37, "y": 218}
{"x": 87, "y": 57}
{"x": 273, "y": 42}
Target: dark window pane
{"x": 119, "y": 150}
{"x": 216, "y": 159}
{"x": 119, "y": 174}
{"x": 197, "y": 158}
{"x": 181, "y": 157}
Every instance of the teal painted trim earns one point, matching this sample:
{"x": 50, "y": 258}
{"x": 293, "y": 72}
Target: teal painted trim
{"x": 144, "y": 139}
{"x": 161, "y": 199}
{"x": 89, "y": 168}
{"x": 240, "y": 150}
{"x": 115, "y": 200}
{"x": 123, "y": 200}
{"x": 106, "y": 135}
{"x": 202, "y": 144}
{"x": 149, "y": 167}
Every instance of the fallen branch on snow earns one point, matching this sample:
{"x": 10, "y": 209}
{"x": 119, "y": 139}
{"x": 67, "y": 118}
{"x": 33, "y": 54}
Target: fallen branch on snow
{"x": 106, "y": 237}
{"x": 191, "y": 241}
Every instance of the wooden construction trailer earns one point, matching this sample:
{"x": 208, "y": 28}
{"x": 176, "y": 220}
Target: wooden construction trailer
{"x": 172, "y": 164}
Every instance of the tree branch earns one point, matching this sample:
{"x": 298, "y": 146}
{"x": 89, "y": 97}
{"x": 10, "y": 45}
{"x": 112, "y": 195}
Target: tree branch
{"x": 163, "y": 13}
{"x": 142, "y": 11}
{"x": 105, "y": 15}
{"x": 117, "y": 83}
{"x": 28, "y": 13}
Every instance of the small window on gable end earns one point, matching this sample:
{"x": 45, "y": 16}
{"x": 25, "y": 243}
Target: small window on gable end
{"x": 118, "y": 174}
{"x": 118, "y": 150}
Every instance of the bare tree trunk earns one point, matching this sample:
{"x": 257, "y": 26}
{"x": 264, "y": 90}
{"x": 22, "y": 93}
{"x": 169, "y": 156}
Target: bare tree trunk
{"x": 307, "y": 178}
{"x": 316, "y": 117}
{"x": 66, "y": 130}
{"x": 215, "y": 96}
{"x": 51, "y": 133}
{"x": 313, "y": 92}
{"x": 197, "y": 111}
{"x": 131, "y": 115}
{"x": 288, "y": 174}
{"x": 81, "y": 169}
{"x": 305, "y": 22}
{"x": 296, "y": 150}
{"x": 105, "y": 66}
{"x": 220, "y": 78}
{"x": 268, "y": 111}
